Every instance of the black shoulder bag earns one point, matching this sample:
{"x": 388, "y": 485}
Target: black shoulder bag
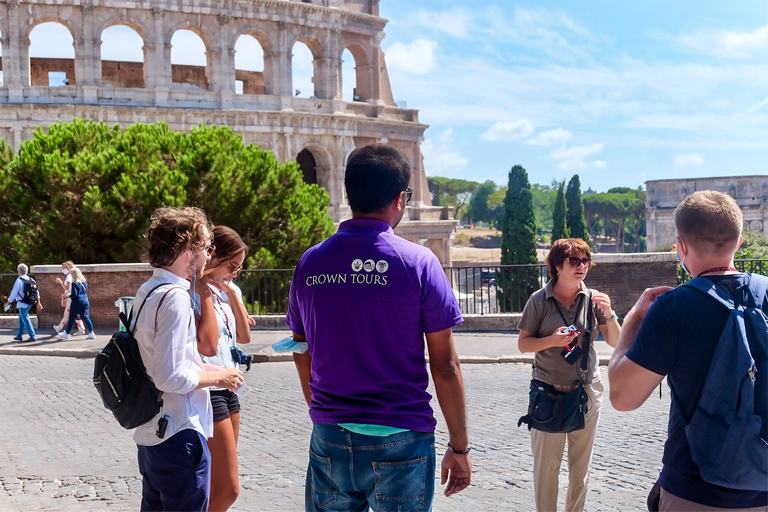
{"x": 550, "y": 410}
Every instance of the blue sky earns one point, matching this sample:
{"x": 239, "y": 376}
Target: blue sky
{"x": 618, "y": 92}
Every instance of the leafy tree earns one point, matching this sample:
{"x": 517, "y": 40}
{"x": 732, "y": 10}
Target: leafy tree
{"x": 85, "y": 191}
{"x": 755, "y": 246}
{"x": 574, "y": 219}
{"x": 543, "y": 201}
{"x": 451, "y": 192}
{"x": 518, "y": 243}
{"x": 615, "y": 211}
{"x": 559, "y": 229}
{"x": 496, "y": 206}
{"x": 8, "y": 251}
{"x": 478, "y": 210}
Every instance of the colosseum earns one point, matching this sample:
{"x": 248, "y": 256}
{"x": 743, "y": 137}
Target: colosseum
{"x": 320, "y": 131}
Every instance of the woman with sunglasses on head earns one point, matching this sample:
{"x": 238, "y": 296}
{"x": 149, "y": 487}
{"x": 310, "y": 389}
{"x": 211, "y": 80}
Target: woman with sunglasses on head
{"x": 543, "y": 330}
{"x": 221, "y": 323}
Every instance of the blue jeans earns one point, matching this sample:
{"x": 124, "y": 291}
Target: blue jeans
{"x": 82, "y": 309}
{"x": 25, "y": 322}
{"x": 351, "y": 472}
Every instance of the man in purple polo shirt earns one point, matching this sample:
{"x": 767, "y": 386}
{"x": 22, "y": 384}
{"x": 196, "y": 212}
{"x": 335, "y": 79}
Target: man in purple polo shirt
{"x": 363, "y": 301}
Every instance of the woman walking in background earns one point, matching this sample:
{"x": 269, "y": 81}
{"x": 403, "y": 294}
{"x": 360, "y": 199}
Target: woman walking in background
{"x": 66, "y": 269}
{"x": 79, "y": 304}
{"x": 564, "y": 301}
{"x": 222, "y": 321}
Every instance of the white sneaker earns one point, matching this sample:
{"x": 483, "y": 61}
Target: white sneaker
{"x": 63, "y": 335}
{"x": 90, "y": 336}
{"x": 56, "y": 328}
{"x": 81, "y": 331}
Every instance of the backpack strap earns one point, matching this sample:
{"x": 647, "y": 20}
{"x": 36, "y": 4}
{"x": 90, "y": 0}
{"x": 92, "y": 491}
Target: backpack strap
{"x": 758, "y": 286}
{"x": 704, "y": 285}
{"x": 127, "y": 322}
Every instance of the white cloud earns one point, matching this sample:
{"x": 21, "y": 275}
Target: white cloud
{"x": 509, "y": 130}
{"x": 759, "y": 105}
{"x": 550, "y": 138}
{"x": 573, "y": 158}
{"x": 692, "y": 159}
{"x": 417, "y": 57}
{"x": 441, "y": 157}
{"x": 599, "y": 164}
{"x": 455, "y": 22}
{"x": 730, "y": 44}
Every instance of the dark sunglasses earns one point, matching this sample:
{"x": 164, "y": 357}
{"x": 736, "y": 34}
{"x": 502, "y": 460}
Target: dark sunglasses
{"x": 575, "y": 262}
{"x": 235, "y": 268}
{"x": 408, "y": 194}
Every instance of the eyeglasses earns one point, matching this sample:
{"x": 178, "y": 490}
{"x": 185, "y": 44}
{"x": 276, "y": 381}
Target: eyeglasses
{"x": 235, "y": 268}
{"x": 408, "y": 194}
{"x": 575, "y": 262}
{"x": 209, "y": 249}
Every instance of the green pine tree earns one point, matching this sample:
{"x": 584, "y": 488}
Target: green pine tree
{"x": 574, "y": 218}
{"x": 559, "y": 229}
{"x": 518, "y": 243}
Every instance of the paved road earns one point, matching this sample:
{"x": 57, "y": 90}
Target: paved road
{"x": 61, "y": 450}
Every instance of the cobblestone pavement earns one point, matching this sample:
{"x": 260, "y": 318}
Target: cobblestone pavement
{"x": 61, "y": 450}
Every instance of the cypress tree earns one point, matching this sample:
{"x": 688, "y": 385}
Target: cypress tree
{"x": 559, "y": 229}
{"x": 574, "y": 218}
{"x": 518, "y": 243}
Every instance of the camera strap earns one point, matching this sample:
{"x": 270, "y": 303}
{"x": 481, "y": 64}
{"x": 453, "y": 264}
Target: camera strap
{"x": 578, "y": 308}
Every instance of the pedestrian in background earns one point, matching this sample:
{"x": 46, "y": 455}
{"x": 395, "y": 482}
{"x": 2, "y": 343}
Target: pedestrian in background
{"x": 543, "y": 330}
{"x": 363, "y": 301}
{"x": 23, "y": 304}
{"x": 79, "y": 305}
{"x": 222, "y": 322}
{"x": 66, "y": 301}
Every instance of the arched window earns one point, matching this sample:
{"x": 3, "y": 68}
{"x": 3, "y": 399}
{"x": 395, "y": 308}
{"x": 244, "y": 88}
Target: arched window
{"x": 302, "y": 71}
{"x": 249, "y": 66}
{"x": 348, "y": 77}
{"x": 306, "y": 161}
{"x": 188, "y": 60}
{"x": 51, "y": 55}
{"x": 122, "y": 57}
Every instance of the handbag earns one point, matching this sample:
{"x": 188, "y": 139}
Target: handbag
{"x": 553, "y": 411}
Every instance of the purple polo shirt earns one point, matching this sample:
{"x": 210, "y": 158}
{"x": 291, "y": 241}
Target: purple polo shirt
{"x": 364, "y": 299}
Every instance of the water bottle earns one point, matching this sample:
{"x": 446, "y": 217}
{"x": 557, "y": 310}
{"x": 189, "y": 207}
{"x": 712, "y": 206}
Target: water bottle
{"x": 7, "y": 307}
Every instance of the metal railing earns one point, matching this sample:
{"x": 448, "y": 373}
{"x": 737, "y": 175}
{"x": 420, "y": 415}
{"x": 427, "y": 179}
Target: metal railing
{"x": 755, "y": 266}
{"x": 477, "y": 288}
{"x": 265, "y": 292}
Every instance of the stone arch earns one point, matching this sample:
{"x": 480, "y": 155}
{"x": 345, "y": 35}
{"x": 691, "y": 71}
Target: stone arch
{"x": 249, "y": 57}
{"x": 322, "y": 164}
{"x": 124, "y": 73}
{"x": 363, "y": 72}
{"x": 51, "y": 71}
{"x": 319, "y": 66}
{"x": 122, "y": 20}
{"x": 191, "y": 75}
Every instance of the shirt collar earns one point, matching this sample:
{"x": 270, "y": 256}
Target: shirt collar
{"x": 365, "y": 223}
{"x": 549, "y": 288}
{"x": 170, "y": 278}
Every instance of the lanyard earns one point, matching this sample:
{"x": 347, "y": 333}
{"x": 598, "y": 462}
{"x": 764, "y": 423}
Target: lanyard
{"x": 578, "y": 309}
{"x": 717, "y": 269}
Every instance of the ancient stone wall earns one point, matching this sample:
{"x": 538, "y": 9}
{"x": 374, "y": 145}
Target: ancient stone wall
{"x": 266, "y": 113}
{"x": 663, "y": 196}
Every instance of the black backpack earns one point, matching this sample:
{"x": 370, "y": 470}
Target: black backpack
{"x": 121, "y": 379}
{"x": 30, "y": 291}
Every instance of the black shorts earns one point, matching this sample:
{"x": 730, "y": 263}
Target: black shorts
{"x": 224, "y": 403}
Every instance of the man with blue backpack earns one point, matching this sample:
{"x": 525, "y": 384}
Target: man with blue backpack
{"x": 25, "y": 295}
{"x": 710, "y": 337}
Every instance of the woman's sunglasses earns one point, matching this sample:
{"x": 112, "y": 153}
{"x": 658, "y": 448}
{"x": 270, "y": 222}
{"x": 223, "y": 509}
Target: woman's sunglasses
{"x": 575, "y": 262}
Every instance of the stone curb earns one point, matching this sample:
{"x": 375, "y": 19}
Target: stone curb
{"x": 257, "y": 358}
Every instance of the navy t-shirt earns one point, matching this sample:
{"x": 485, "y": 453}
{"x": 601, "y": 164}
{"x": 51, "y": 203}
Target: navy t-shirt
{"x": 677, "y": 338}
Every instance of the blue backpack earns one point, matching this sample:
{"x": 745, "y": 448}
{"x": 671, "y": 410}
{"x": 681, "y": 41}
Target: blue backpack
{"x": 726, "y": 434}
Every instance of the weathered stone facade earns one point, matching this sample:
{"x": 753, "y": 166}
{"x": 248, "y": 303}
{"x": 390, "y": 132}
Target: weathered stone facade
{"x": 663, "y": 196}
{"x": 266, "y": 114}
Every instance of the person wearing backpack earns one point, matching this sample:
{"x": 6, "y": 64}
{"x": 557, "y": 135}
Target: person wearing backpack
{"x": 25, "y": 295}
{"x": 710, "y": 337}
{"x": 79, "y": 305}
{"x": 174, "y": 459}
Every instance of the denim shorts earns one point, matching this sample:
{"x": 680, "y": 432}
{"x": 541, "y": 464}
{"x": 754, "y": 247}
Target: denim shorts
{"x": 350, "y": 472}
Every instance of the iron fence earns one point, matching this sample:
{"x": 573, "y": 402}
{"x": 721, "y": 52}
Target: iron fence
{"x": 477, "y": 288}
{"x": 755, "y": 266}
{"x": 265, "y": 292}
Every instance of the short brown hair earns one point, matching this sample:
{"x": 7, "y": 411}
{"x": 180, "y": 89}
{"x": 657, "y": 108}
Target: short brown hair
{"x": 563, "y": 249}
{"x": 171, "y": 231}
{"x": 709, "y": 220}
{"x": 228, "y": 245}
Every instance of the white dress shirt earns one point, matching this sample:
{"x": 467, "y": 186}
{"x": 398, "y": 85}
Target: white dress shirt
{"x": 168, "y": 347}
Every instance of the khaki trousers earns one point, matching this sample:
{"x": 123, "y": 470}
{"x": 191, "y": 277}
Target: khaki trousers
{"x": 548, "y": 455}
{"x": 671, "y": 503}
